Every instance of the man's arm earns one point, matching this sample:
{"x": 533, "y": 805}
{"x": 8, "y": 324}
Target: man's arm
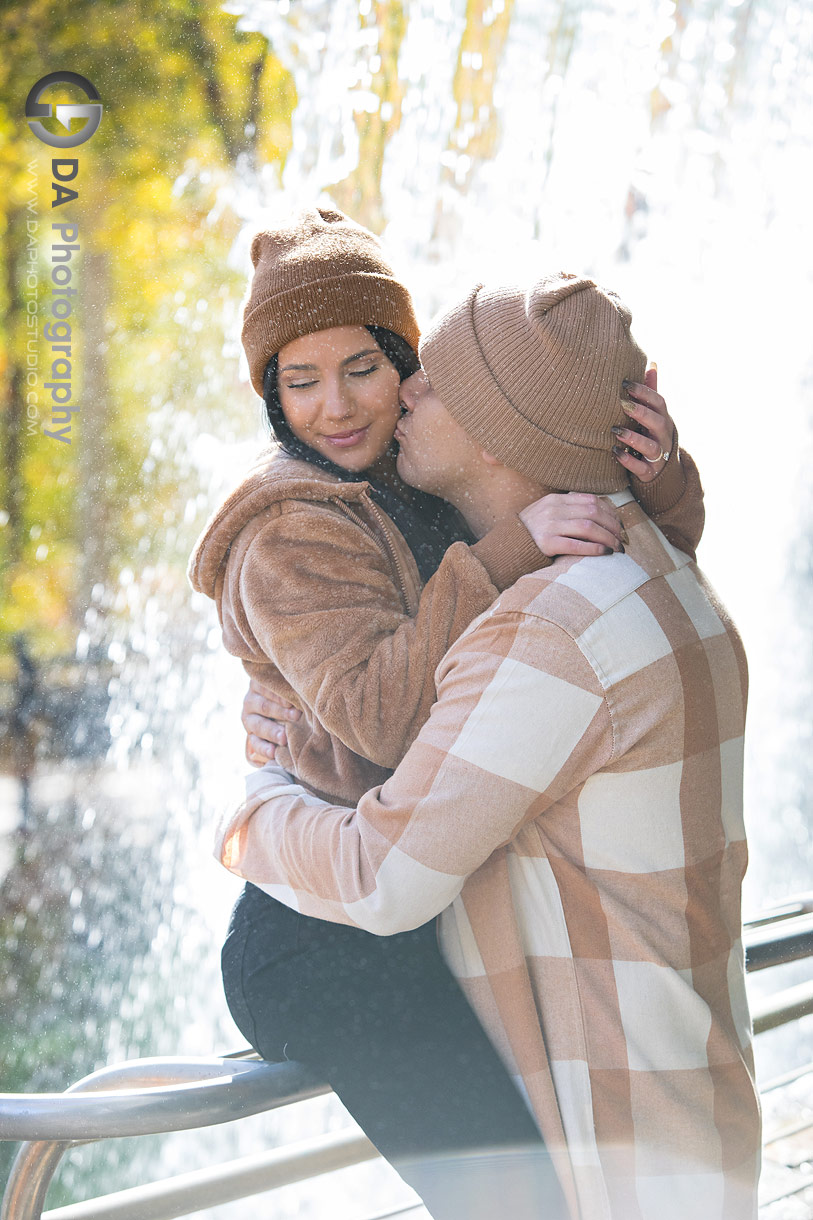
{"x": 520, "y": 720}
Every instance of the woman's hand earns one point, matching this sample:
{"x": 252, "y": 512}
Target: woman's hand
{"x": 574, "y": 523}
{"x": 264, "y": 713}
{"x": 654, "y": 443}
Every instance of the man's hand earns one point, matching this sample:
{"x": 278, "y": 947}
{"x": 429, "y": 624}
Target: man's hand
{"x": 263, "y": 716}
{"x": 645, "y": 448}
{"x": 575, "y": 523}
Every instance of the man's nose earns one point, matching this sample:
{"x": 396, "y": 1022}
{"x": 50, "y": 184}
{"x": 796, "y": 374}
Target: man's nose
{"x": 406, "y": 393}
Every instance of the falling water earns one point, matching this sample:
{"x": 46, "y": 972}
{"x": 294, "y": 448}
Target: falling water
{"x": 663, "y": 149}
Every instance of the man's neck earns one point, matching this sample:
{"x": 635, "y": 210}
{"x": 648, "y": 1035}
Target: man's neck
{"x": 499, "y": 494}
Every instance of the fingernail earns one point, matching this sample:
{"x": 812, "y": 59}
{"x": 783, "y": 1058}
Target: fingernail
{"x": 617, "y": 450}
{"x": 615, "y": 428}
{"x": 629, "y": 407}
{"x": 621, "y": 548}
{"x": 624, "y": 535}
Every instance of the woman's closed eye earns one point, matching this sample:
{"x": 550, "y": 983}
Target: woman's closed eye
{"x": 300, "y": 385}
{"x": 307, "y": 383}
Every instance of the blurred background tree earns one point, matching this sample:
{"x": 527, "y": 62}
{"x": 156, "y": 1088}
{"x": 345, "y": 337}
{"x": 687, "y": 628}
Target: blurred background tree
{"x": 191, "y": 105}
{"x": 189, "y": 100}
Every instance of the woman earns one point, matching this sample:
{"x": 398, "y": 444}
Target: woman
{"x": 340, "y": 589}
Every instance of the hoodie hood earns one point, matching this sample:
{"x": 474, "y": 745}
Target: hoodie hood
{"x": 273, "y": 478}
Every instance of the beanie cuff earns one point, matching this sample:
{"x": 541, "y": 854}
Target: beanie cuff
{"x": 460, "y": 375}
{"x": 356, "y": 299}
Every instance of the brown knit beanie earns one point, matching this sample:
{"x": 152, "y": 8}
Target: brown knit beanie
{"x": 535, "y": 377}
{"x": 319, "y": 271}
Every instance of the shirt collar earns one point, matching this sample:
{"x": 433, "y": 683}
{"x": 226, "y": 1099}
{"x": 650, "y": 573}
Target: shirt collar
{"x": 619, "y": 497}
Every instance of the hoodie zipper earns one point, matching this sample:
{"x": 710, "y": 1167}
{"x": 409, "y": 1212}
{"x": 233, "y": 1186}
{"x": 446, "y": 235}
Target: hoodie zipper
{"x": 388, "y": 543}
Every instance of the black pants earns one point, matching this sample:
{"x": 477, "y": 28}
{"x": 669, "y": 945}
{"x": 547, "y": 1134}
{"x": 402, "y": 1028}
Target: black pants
{"x": 384, "y": 1022}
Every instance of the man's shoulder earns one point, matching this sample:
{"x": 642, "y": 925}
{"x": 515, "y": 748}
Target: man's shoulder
{"x": 572, "y": 588}
{"x": 579, "y": 595}
{"x": 595, "y": 625}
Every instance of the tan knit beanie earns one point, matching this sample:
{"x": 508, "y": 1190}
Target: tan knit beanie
{"x": 320, "y": 270}
{"x": 535, "y": 377}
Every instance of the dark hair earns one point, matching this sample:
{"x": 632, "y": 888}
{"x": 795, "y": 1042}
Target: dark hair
{"x": 397, "y": 351}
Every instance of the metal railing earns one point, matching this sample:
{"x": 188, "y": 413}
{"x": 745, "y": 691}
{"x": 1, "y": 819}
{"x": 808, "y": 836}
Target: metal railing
{"x": 148, "y": 1096}
{"x": 778, "y": 936}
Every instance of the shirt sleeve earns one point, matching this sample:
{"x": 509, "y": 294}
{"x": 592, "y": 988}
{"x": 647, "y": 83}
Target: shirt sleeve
{"x": 317, "y": 594}
{"x": 507, "y": 737}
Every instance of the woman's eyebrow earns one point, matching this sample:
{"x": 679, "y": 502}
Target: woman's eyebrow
{"x": 370, "y": 351}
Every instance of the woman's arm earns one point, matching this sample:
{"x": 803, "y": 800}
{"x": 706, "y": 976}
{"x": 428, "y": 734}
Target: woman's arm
{"x": 674, "y": 501}
{"x": 668, "y": 486}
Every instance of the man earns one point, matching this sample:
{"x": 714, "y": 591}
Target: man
{"x": 573, "y": 805}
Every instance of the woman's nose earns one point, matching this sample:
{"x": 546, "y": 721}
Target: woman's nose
{"x": 337, "y": 402}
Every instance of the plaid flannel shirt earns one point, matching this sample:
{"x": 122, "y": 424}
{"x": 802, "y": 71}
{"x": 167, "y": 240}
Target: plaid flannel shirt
{"x": 573, "y": 807}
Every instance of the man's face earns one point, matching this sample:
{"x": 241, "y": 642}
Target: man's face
{"x": 435, "y": 453}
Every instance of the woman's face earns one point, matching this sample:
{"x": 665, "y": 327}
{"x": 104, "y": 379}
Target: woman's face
{"x": 339, "y": 394}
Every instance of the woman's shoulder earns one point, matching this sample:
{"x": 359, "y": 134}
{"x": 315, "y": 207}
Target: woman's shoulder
{"x": 275, "y": 485}
{"x": 275, "y": 476}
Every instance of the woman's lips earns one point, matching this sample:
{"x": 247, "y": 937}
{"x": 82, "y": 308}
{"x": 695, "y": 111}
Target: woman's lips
{"x": 345, "y": 440}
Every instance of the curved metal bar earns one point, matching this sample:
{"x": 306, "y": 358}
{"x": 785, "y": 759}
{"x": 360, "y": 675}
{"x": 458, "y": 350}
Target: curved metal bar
{"x": 148, "y": 1096}
{"x": 181, "y": 1093}
{"x": 30, "y": 1177}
